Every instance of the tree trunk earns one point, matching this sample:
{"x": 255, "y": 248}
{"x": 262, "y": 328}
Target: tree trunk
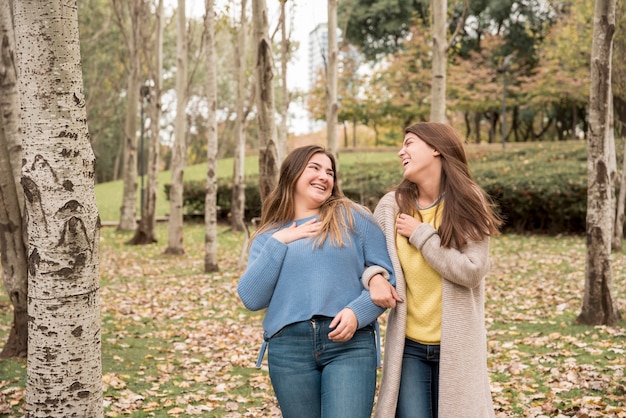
{"x": 618, "y": 229}
{"x": 238, "y": 199}
{"x": 145, "y": 233}
{"x": 179, "y": 150}
{"x": 128, "y": 211}
{"x": 281, "y": 148}
{"x": 64, "y": 372}
{"x": 12, "y": 228}
{"x": 332, "y": 107}
{"x": 598, "y": 305}
{"x": 268, "y": 154}
{"x": 210, "y": 202}
{"x": 440, "y": 46}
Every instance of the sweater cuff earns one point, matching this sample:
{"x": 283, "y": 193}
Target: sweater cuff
{"x": 370, "y": 272}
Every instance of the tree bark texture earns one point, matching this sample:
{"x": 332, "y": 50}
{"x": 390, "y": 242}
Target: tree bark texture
{"x": 12, "y": 228}
{"x": 210, "y": 202}
{"x": 268, "y": 154}
{"x": 179, "y": 151}
{"x": 598, "y": 305}
{"x": 64, "y": 372}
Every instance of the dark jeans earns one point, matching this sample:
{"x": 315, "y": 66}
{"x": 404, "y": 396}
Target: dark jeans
{"x": 419, "y": 384}
{"x": 315, "y": 377}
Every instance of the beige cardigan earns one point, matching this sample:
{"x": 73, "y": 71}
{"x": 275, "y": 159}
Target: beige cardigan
{"x": 463, "y": 377}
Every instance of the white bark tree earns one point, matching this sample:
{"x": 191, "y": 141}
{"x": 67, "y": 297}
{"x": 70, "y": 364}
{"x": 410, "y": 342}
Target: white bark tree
{"x": 332, "y": 107}
{"x": 128, "y": 211}
{"x": 268, "y": 155}
{"x": 210, "y": 202}
{"x": 281, "y": 148}
{"x": 238, "y": 199}
{"x": 440, "y": 48}
{"x": 598, "y": 305}
{"x": 12, "y": 228}
{"x": 145, "y": 232}
{"x": 179, "y": 150}
{"x": 64, "y": 372}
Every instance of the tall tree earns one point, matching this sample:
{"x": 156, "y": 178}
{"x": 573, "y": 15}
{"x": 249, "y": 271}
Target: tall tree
{"x": 145, "y": 232}
{"x": 238, "y": 200}
{"x": 268, "y": 155}
{"x": 128, "y": 210}
{"x": 281, "y": 147}
{"x": 210, "y": 202}
{"x": 618, "y": 87}
{"x": 64, "y": 372}
{"x": 332, "y": 107}
{"x": 12, "y": 228}
{"x": 598, "y": 305}
{"x": 440, "y": 56}
{"x": 179, "y": 150}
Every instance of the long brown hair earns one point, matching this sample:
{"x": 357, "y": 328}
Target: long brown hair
{"x": 468, "y": 212}
{"x": 279, "y": 206}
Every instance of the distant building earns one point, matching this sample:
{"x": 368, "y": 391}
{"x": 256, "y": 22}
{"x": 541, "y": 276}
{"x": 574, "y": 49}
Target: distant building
{"x": 318, "y": 51}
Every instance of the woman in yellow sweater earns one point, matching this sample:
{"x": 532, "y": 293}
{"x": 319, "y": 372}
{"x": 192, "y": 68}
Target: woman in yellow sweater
{"x": 437, "y": 223}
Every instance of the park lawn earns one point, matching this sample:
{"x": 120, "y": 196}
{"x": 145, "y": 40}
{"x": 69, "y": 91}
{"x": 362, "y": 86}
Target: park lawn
{"x": 109, "y": 195}
{"x": 177, "y": 342}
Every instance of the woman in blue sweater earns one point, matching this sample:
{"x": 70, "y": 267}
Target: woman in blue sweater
{"x": 308, "y": 263}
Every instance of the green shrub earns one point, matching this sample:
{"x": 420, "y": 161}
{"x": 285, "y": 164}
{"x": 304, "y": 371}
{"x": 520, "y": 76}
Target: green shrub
{"x": 538, "y": 188}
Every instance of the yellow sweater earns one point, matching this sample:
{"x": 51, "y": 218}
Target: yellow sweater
{"x": 423, "y": 286}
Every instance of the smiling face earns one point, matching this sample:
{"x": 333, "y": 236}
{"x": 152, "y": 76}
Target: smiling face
{"x": 315, "y": 184}
{"x": 418, "y": 158}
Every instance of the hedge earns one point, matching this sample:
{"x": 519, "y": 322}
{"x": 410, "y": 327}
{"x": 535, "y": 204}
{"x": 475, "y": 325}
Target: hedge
{"x": 539, "y": 189}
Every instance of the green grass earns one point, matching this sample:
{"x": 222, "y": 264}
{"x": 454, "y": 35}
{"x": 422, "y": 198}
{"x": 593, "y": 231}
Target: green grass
{"x": 109, "y": 195}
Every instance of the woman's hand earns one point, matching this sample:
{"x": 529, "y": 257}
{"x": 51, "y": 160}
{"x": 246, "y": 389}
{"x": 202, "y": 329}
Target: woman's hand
{"x": 382, "y": 293}
{"x": 406, "y": 224}
{"x": 292, "y": 233}
{"x": 345, "y": 324}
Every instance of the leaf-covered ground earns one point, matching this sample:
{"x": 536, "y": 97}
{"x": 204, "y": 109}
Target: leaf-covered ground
{"x": 177, "y": 342}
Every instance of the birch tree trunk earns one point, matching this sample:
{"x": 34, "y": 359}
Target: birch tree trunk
{"x": 268, "y": 154}
{"x": 128, "y": 211}
{"x": 618, "y": 229}
{"x": 64, "y": 372}
{"x": 210, "y": 202}
{"x": 284, "y": 103}
{"x": 145, "y": 233}
{"x": 598, "y": 305}
{"x": 238, "y": 199}
{"x": 332, "y": 107}
{"x": 179, "y": 150}
{"x": 12, "y": 229}
{"x": 440, "y": 56}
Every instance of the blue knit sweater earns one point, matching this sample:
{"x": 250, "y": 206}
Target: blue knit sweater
{"x": 296, "y": 281}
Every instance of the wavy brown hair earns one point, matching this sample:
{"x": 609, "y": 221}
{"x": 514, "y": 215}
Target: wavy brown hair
{"x": 468, "y": 212}
{"x": 279, "y": 207}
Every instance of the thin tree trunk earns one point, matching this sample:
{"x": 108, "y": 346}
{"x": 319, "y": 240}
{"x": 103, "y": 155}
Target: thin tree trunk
{"x": 332, "y": 107}
{"x": 238, "y": 199}
{"x": 145, "y": 233}
{"x": 440, "y": 46}
{"x": 618, "y": 229}
{"x": 281, "y": 147}
{"x": 64, "y": 342}
{"x": 128, "y": 211}
{"x": 12, "y": 228}
{"x": 210, "y": 202}
{"x": 598, "y": 305}
{"x": 179, "y": 150}
{"x": 268, "y": 154}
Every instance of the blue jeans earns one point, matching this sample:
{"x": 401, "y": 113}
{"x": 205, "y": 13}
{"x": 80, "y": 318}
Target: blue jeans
{"x": 419, "y": 383}
{"x": 315, "y": 377}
